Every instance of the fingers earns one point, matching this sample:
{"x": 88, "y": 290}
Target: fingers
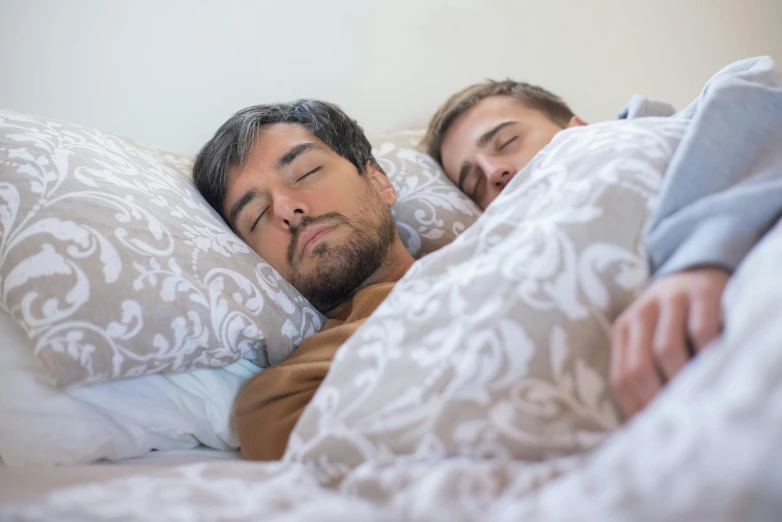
{"x": 640, "y": 366}
{"x": 670, "y": 337}
{"x": 622, "y": 386}
{"x": 705, "y": 320}
{"x": 634, "y": 375}
{"x": 650, "y": 339}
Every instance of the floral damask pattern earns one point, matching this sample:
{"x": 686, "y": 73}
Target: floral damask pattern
{"x": 116, "y": 267}
{"x": 496, "y": 346}
{"x": 430, "y": 211}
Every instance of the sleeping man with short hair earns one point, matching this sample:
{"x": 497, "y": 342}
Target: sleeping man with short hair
{"x": 298, "y": 183}
{"x": 714, "y": 204}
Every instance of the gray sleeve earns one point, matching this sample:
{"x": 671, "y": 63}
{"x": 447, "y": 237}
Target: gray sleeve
{"x": 723, "y": 188}
{"x": 643, "y": 107}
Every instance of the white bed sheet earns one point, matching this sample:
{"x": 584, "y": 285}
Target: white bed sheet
{"x": 28, "y": 484}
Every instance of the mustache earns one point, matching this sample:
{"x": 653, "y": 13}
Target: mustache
{"x": 307, "y": 221}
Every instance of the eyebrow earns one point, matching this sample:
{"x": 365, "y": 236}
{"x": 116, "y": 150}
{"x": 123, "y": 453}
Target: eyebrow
{"x": 487, "y": 136}
{"x": 239, "y": 205}
{"x": 296, "y": 151}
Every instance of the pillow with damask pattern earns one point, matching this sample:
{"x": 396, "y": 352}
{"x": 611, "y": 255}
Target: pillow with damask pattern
{"x": 116, "y": 267}
{"x": 430, "y": 211}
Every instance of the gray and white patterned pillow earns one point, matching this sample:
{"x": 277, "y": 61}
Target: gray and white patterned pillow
{"x": 116, "y": 267}
{"x": 497, "y": 345}
{"x": 430, "y": 211}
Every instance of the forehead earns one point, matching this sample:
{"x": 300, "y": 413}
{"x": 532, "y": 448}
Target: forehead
{"x": 488, "y": 110}
{"x": 273, "y": 141}
{"x": 465, "y": 131}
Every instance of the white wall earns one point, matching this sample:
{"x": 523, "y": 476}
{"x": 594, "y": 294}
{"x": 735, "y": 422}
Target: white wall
{"x": 169, "y": 72}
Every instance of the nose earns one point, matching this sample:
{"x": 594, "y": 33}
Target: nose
{"x": 289, "y": 210}
{"x": 498, "y": 173}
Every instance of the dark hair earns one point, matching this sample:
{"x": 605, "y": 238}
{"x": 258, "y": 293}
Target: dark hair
{"x": 530, "y": 96}
{"x": 232, "y": 143}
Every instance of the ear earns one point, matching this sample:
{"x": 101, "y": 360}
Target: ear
{"x": 575, "y": 121}
{"x": 380, "y": 182}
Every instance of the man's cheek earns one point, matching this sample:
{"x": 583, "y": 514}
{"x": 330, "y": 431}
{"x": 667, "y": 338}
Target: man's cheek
{"x": 271, "y": 255}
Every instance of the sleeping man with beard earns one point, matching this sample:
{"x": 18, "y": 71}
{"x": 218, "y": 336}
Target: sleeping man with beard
{"x": 298, "y": 183}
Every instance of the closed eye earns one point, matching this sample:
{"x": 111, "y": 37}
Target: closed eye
{"x": 310, "y": 173}
{"x": 508, "y": 142}
{"x": 258, "y": 219}
{"x": 471, "y": 192}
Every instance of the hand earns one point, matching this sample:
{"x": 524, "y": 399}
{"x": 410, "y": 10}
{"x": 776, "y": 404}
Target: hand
{"x": 655, "y": 337}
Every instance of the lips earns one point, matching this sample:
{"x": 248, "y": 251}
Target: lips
{"x": 311, "y": 235}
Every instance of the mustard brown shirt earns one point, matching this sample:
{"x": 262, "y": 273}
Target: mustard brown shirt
{"x": 272, "y": 401}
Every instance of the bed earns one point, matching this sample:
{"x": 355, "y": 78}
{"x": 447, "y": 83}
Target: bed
{"x": 32, "y": 484}
{"x": 505, "y": 414}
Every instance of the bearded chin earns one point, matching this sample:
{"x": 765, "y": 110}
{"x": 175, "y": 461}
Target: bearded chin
{"x": 338, "y": 274}
{"x": 341, "y": 268}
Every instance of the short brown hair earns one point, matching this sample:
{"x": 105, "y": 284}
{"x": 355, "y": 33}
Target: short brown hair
{"x": 530, "y": 96}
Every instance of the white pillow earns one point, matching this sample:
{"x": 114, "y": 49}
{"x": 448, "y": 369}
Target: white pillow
{"x": 41, "y": 425}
